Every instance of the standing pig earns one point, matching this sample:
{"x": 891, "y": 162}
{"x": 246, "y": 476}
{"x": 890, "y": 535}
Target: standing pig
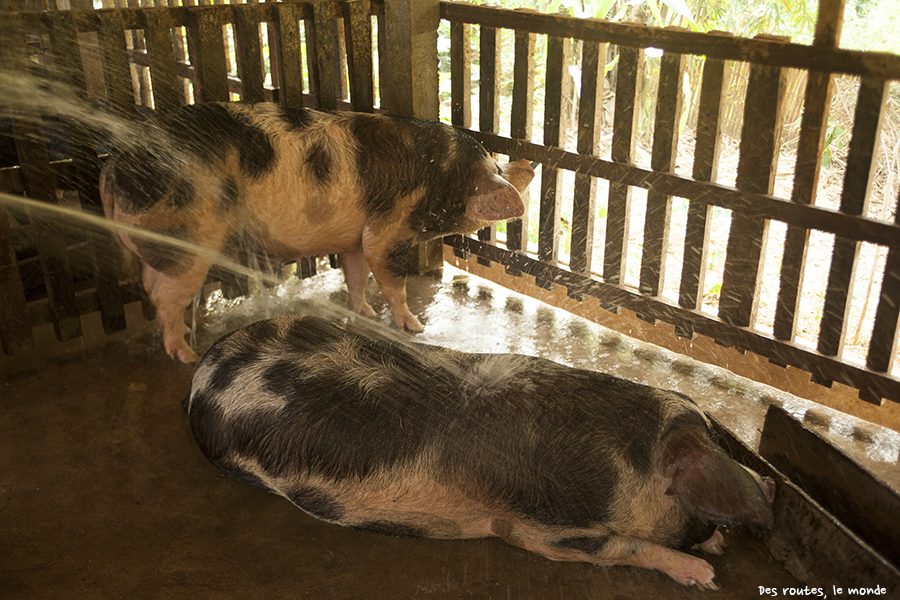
{"x": 415, "y": 440}
{"x": 263, "y": 179}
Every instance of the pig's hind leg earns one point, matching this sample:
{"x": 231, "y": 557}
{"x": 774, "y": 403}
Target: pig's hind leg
{"x": 171, "y": 295}
{"x": 609, "y": 550}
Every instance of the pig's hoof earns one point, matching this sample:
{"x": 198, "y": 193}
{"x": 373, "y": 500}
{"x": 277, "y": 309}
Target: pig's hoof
{"x": 362, "y": 309}
{"x": 695, "y": 571}
{"x": 181, "y": 351}
{"x": 714, "y": 545}
{"x": 409, "y": 322}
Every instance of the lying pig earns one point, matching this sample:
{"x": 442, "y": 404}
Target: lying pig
{"x": 420, "y": 441}
{"x": 263, "y": 179}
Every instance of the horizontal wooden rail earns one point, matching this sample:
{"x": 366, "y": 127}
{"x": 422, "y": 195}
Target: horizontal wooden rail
{"x": 752, "y": 205}
{"x": 724, "y": 46}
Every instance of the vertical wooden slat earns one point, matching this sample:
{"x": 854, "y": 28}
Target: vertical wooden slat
{"x": 116, "y": 71}
{"x": 460, "y": 82}
{"x": 554, "y": 135}
{"x": 629, "y": 79}
{"x": 358, "y": 31}
{"x": 593, "y": 62}
{"x": 521, "y": 124}
{"x": 489, "y": 103}
{"x": 15, "y": 329}
{"x": 86, "y": 171}
{"x": 883, "y": 344}
{"x": 321, "y": 49}
{"x": 665, "y": 144}
{"x": 716, "y": 75}
{"x": 461, "y": 74}
{"x": 210, "y": 63}
{"x": 810, "y": 147}
{"x": 854, "y": 201}
{"x": 249, "y": 52}
{"x": 290, "y": 75}
{"x": 158, "y": 37}
{"x": 759, "y": 149}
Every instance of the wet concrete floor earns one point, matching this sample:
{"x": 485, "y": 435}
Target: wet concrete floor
{"x": 104, "y": 493}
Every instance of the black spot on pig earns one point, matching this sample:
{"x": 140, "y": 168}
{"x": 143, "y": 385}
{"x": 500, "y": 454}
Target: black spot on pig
{"x": 142, "y": 179}
{"x": 182, "y": 193}
{"x": 246, "y": 354}
{"x": 585, "y": 544}
{"x": 393, "y": 166}
{"x": 319, "y": 162}
{"x": 228, "y": 196}
{"x": 398, "y": 258}
{"x": 317, "y": 503}
{"x": 295, "y": 118}
{"x": 389, "y": 528}
{"x": 206, "y": 129}
{"x": 162, "y": 256}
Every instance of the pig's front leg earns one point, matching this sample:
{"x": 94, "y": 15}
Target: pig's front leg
{"x": 388, "y": 259}
{"x": 607, "y": 549}
{"x": 356, "y": 275}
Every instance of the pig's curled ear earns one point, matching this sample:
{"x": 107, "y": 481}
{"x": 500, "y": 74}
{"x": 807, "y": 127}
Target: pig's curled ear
{"x": 494, "y": 199}
{"x": 710, "y": 485}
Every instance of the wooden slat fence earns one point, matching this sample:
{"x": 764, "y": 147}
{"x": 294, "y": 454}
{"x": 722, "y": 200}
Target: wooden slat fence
{"x": 751, "y": 201}
{"x": 159, "y": 58}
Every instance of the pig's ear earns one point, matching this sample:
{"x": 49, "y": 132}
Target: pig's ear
{"x": 709, "y": 485}
{"x": 494, "y": 199}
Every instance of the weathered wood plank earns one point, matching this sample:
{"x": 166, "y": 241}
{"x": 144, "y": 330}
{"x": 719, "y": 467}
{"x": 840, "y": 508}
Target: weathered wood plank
{"x": 855, "y": 196}
{"x": 557, "y": 80}
{"x": 716, "y": 76}
{"x": 629, "y": 80}
{"x": 358, "y": 30}
{"x": 669, "y": 103}
{"x": 158, "y": 36}
{"x": 760, "y": 145}
{"x": 290, "y": 74}
{"x": 842, "y": 486}
{"x": 320, "y": 45}
{"x": 209, "y": 64}
{"x": 249, "y": 52}
{"x": 461, "y": 74}
{"x": 593, "y": 61}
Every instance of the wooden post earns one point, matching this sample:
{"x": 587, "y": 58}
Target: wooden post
{"x": 411, "y": 82}
{"x": 489, "y": 104}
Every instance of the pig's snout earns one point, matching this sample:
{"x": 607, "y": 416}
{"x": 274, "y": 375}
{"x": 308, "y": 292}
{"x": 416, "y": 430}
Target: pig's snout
{"x": 519, "y": 174}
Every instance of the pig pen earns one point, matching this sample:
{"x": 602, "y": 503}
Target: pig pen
{"x": 106, "y": 494}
